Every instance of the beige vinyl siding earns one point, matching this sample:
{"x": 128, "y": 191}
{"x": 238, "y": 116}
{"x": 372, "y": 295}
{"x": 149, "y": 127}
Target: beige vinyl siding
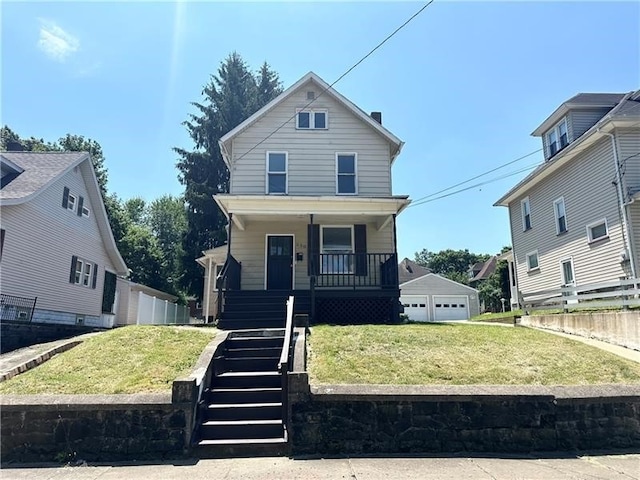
{"x": 634, "y": 219}
{"x": 312, "y": 153}
{"x": 249, "y": 248}
{"x": 628, "y": 142}
{"x": 41, "y": 237}
{"x": 589, "y": 196}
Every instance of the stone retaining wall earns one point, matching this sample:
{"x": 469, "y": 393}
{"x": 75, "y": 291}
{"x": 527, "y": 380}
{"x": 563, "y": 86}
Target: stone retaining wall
{"x": 357, "y": 419}
{"x": 618, "y": 328}
{"x": 15, "y": 334}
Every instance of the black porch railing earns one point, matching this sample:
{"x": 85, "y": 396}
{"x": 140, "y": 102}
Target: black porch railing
{"x": 228, "y": 279}
{"x": 16, "y": 308}
{"x": 354, "y": 270}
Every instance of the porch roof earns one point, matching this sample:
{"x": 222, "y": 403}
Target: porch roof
{"x": 271, "y": 207}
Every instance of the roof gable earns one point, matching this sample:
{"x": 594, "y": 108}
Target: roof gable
{"x": 41, "y": 169}
{"x": 410, "y": 270}
{"x": 441, "y": 278}
{"x": 225, "y": 142}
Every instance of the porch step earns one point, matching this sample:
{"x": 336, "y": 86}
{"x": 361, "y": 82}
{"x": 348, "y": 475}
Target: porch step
{"x": 263, "y": 364}
{"x": 236, "y": 448}
{"x": 255, "y": 352}
{"x": 241, "y": 324}
{"x": 247, "y": 380}
{"x": 254, "y": 342}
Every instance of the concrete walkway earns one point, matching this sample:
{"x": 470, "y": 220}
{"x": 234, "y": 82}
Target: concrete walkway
{"x": 622, "y": 467}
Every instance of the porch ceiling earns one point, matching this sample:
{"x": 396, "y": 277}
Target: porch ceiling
{"x": 269, "y": 208}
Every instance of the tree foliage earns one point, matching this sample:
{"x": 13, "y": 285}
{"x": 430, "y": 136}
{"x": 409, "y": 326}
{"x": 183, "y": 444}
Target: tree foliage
{"x": 230, "y": 97}
{"x": 453, "y": 264}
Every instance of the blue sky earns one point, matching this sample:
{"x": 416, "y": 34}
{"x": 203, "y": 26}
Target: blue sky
{"x": 463, "y": 85}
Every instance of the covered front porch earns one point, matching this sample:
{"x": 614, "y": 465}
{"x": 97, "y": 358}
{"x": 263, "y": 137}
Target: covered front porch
{"x": 340, "y": 251}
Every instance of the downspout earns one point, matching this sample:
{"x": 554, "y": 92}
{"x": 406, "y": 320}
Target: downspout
{"x": 621, "y": 206}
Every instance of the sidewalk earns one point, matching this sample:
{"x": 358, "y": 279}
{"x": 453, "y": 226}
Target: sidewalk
{"x": 377, "y": 468}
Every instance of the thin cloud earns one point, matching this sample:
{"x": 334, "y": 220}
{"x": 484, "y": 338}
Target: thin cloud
{"x": 55, "y": 42}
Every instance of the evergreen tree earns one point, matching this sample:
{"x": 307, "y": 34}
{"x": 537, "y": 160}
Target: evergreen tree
{"x": 230, "y": 97}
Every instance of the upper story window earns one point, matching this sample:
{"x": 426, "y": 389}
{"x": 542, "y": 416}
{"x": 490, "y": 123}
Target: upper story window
{"x": 277, "y": 172}
{"x": 557, "y": 138}
{"x": 71, "y": 203}
{"x": 311, "y": 119}
{"x": 525, "y": 208}
{"x": 346, "y": 174}
{"x": 561, "y": 216}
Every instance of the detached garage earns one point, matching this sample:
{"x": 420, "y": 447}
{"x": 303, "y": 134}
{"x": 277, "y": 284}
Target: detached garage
{"x": 432, "y": 298}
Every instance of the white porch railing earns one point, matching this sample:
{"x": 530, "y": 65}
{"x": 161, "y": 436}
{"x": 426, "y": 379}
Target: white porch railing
{"x": 613, "y": 294}
{"x": 154, "y": 311}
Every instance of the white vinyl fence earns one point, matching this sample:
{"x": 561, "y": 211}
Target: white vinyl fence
{"x": 613, "y": 294}
{"x": 154, "y": 311}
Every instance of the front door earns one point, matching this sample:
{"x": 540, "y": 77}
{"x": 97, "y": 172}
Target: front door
{"x": 280, "y": 262}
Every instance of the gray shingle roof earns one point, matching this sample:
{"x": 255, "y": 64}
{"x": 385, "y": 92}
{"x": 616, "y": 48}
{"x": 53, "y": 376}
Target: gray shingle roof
{"x": 410, "y": 270}
{"x": 596, "y": 98}
{"x": 40, "y": 169}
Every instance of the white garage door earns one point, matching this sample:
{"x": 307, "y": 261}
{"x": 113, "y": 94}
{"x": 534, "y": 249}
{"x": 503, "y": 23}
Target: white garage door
{"x": 415, "y": 307}
{"x": 450, "y": 307}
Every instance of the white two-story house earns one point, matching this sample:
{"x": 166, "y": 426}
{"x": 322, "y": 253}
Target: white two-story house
{"x": 575, "y": 220}
{"x": 311, "y": 210}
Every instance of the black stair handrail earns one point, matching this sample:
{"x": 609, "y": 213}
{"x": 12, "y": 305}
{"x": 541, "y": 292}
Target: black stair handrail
{"x": 228, "y": 279}
{"x": 284, "y": 364}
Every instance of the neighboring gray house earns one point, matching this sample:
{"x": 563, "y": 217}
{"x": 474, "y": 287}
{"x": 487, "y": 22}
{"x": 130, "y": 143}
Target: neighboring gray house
{"x": 575, "y": 220}
{"x": 311, "y": 209}
{"x": 432, "y": 298}
{"x": 57, "y": 244}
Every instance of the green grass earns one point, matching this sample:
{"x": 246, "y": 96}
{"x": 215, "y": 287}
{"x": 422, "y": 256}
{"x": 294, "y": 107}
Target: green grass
{"x": 134, "y": 359}
{"x": 432, "y": 354}
{"x": 501, "y": 317}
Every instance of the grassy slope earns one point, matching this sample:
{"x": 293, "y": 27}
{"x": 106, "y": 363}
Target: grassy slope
{"x": 458, "y": 355}
{"x": 135, "y": 359}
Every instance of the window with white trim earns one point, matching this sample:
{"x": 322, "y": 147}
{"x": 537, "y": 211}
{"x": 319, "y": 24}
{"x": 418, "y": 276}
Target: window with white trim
{"x": 337, "y": 245}
{"x": 217, "y": 270}
{"x": 84, "y": 271}
{"x": 525, "y": 208}
{"x": 315, "y": 119}
{"x": 86, "y": 212}
{"x": 346, "y": 176}
{"x": 568, "y": 277}
{"x": 597, "y": 230}
{"x": 277, "y": 172}
{"x": 560, "y": 215}
{"x": 71, "y": 203}
{"x": 557, "y": 138}
{"x": 532, "y": 261}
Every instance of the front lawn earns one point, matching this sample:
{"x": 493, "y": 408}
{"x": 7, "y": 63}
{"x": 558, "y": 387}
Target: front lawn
{"x": 434, "y": 354}
{"x": 500, "y": 317}
{"x": 134, "y": 359}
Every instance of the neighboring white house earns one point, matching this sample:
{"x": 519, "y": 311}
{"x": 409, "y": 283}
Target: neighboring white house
{"x": 138, "y": 304}
{"x": 311, "y": 207}
{"x": 212, "y": 261}
{"x": 57, "y": 244}
{"x": 432, "y": 298}
{"x": 575, "y": 220}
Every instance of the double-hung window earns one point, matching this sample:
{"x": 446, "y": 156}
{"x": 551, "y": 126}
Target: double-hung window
{"x": 557, "y": 138}
{"x": 525, "y": 208}
{"x": 83, "y": 272}
{"x": 71, "y": 203}
{"x": 567, "y": 272}
{"x": 311, "y": 119}
{"x": 277, "y": 172}
{"x": 336, "y": 247}
{"x": 346, "y": 174}
{"x": 560, "y": 215}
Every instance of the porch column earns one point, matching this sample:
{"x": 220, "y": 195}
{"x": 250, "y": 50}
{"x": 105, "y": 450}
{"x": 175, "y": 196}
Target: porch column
{"x": 312, "y": 277}
{"x": 208, "y": 294}
{"x": 229, "y": 235}
{"x": 395, "y": 239}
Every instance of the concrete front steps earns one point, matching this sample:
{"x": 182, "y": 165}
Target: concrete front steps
{"x": 241, "y": 412}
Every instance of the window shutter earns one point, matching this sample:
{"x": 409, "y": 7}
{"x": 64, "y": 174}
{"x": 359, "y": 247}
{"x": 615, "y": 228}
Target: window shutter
{"x": 360, "y": 244}
{"x": 80, "y": 202}
{"x": 65, "y": 197}
{"x": 95, "y": 274}
{"x": 313, "y": 241}
{"x": 72, "y": 274}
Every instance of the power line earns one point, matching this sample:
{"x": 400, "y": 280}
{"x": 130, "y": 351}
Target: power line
{"x": 511, "y": 174}
{"x": 478, "y": 176}
{"x": 339, "y": 78}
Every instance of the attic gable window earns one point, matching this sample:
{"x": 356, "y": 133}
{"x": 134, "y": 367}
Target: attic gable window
{"x": 557, "y": 138}
{"x": 311, "y": 119}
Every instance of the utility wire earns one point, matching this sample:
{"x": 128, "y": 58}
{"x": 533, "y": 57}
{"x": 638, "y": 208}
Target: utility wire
{"x": 339, "y": 78}
{"x": 477, "y": 176}
{"x": 495, "y": 179}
